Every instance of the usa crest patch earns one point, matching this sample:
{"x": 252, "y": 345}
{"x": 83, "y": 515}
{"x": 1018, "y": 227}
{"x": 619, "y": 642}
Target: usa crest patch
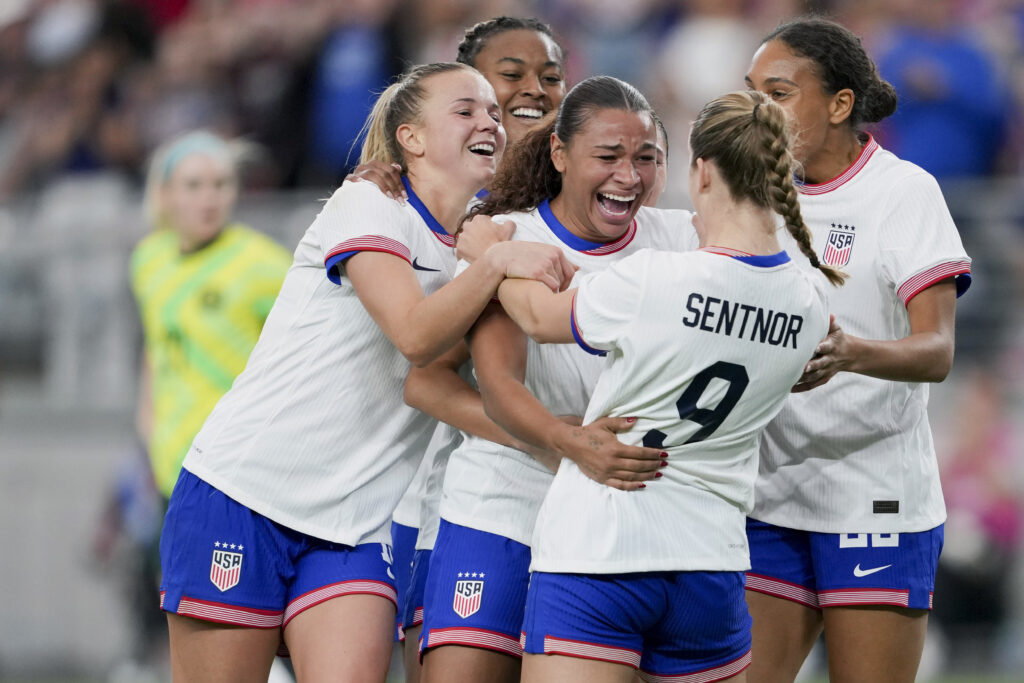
{"x": 226, "y": 566}
{"x": 839, "y": 245}
{"x": 468, "y": 593}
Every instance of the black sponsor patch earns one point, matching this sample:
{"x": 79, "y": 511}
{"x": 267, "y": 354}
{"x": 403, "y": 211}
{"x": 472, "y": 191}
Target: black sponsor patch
{"x": 885, "y": 507}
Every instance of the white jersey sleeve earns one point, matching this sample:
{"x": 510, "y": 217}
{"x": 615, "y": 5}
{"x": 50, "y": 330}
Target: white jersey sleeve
{"x": 605, "y": 303}
{"x": 922, "y": 245}
{"x": 359, "y": 217}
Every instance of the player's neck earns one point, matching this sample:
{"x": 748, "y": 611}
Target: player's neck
{"x": 741, "y": 226}
{"x": 445, "y": 201}
{"x": 840, "y": 150}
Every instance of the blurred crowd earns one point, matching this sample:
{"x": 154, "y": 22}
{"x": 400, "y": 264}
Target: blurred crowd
{"x": 95, "y": 86}
{"x": 90, "y": 85}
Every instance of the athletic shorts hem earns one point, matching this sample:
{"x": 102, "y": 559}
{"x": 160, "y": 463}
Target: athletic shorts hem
{"x": 595, "y": 651}
{"x": 337, "y": 590}
{"x": 849, "y": 597}
{"x": 222, "y": 613}
{"x": 471, "y": 637}
{"x": 716, "y": 673}
{"x": 785, "y": 590}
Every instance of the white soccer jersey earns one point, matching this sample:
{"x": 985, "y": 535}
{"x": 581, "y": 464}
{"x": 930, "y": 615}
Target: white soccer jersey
{"x": 498, "y": 489}
{"x": 703, "y": 349}
{"x": 314, "y": 434}
{"x": 856, "y": 454}
{"x": 429, "y": 518}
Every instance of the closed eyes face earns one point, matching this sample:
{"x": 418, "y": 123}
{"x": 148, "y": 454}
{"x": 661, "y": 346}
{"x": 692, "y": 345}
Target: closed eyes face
{"x": 525, "y": 68}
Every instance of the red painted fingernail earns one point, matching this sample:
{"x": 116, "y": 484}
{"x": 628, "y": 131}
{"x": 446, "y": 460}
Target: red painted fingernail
{"x": 657, "y": 474}
{"x": 664, "y": 463}
{"x": 630, "y": 419}
{"x": 664, "y": 454}
{"x": 643, "y": 486}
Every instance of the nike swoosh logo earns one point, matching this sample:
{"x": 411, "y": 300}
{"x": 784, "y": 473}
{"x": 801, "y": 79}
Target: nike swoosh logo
{"x": 417, "y": 266}
{"x": 858, "y": 572}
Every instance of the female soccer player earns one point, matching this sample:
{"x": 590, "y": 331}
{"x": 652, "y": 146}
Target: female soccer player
{"x": 703, "y": 349}
{"x": 847, "y": 525}
{"x": 204, "y": 287}
{"x": 524, "y": 63}
{"x": 279, "y": 521}
{"x": 579, "y": 183}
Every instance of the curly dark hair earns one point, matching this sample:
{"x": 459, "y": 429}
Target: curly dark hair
{"x": 527, "y": 175}
{"x": 477, "y": 36}
{"x": 842, "y": 63}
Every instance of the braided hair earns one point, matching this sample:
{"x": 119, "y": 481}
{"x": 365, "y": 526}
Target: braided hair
{"x": 746, "y": 135}
{"x": 476, "y": 37}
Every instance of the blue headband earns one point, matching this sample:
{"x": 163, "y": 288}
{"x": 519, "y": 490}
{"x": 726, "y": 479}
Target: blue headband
{"x": 199, "y": 141}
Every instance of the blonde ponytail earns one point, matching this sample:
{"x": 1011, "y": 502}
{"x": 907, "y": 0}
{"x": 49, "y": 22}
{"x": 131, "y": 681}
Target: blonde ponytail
{"x": 746, "y": 134}
{"x": 400, "y": 103}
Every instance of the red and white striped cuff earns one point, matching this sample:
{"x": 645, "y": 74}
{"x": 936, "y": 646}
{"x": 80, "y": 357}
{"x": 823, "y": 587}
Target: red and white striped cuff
{"x": 786, "y": 590}
{"x": 473, "y": 637}
{"x": 922, "y": 281}
{"x": 841, "y": 597}
{"x": 706, "y": 676}
{"x": 336, "y": 590}
{"x": 582, "y": 650}
{"x": 226, "y": 614}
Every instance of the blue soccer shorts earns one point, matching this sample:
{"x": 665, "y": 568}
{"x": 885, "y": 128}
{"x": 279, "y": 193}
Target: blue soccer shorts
{"x": 475, "y": 593}
{"x": 403, "y": 545}
{"x": 412, "y": 610}
{"x": 840, "y": 570}
{"x": 224, "y": 563}
{"x": 672, "y": 626}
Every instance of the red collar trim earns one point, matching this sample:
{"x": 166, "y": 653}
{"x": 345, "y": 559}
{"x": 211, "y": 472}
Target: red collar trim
{"x": 724, "y": 251}
{"x": 821, "y": 188}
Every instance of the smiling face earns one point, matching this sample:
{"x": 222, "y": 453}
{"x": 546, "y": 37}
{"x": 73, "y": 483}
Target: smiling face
{"x": 198, "y": 197}
{"x": 607, "y": 170}
{"x": 459, "y": 132}
{"x": 525, "y": 68}
{"x": 793, "y": 81}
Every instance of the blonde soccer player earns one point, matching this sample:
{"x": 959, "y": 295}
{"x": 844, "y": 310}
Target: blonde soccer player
{"x": 847, "y": 528}
{"x": 278, "y": 527}
{"x": 702, "y": 351}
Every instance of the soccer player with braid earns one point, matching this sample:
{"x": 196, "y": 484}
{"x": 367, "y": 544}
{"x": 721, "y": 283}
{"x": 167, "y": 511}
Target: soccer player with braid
{"x": 847, "y": 523}
{"x": 703, "y": 348}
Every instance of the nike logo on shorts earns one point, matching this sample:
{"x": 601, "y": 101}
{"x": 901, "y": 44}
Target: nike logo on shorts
{"x": 858, "y": 572}
{"x": 417, "y": 266}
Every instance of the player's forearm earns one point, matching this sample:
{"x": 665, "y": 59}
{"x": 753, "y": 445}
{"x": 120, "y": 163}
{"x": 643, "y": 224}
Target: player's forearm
{"x": 921, "y": 357}
{"x": 438, "y": 322}
{"x": 518, "y": 412}
{"x": 444, "y": 395}
{"x": 535, "y": 309}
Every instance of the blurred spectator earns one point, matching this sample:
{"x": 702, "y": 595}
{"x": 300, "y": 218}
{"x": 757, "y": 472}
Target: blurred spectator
{"x": 68, "y": 119}
{"x": 953, "y": 98}
{"x": 704, "y": 55}
{"x": 984, "y": 524}
{"x": 356, "y": 62}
